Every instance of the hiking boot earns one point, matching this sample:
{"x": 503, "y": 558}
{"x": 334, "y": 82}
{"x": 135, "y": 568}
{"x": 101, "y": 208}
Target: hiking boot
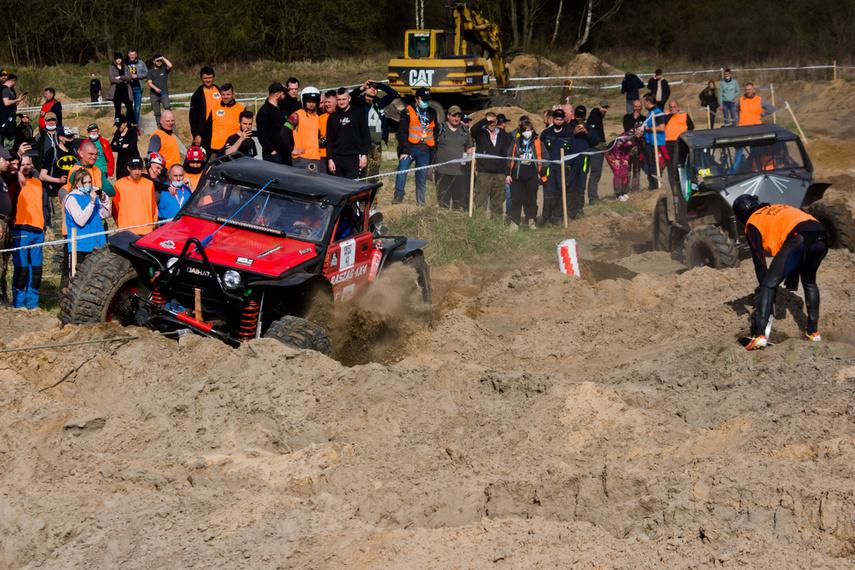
{"x": 623, "y": 197}
{"x": 757, "y": 342}
{"x": 397, "y": 199}
{"x": 513, "y": 227}
{"x": 531, "y": 225}
{"x": 813, "y": 336}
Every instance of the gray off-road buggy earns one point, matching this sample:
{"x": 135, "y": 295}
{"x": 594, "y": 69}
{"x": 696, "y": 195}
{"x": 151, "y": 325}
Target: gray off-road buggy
{"x": 714, "y": 167}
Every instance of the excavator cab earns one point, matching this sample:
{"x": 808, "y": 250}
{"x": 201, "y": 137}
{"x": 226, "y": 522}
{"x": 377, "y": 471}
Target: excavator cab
{"x": 421, "y": 44}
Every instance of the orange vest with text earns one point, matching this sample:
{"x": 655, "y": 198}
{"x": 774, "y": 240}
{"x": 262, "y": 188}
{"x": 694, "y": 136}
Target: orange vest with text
{"x": 676, "y": 125}
{"x": 775, "y": 223}
{"x": 169, "y": 149}
{"x": 134, "y": 204}
{"x": 417, "y": 133}
{"x": 225, "y": 122}
{"x": 749, "y": 111}
{"x": 30, "y": 207}
{"x": 306, "y": 135}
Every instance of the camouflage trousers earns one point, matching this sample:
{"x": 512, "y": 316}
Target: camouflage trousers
{"x": 375, "y": 156}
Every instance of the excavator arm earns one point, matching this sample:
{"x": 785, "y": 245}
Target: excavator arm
{"x": 470, "y": 26}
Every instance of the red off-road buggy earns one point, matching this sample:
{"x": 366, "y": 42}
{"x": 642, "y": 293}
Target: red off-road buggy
{"x": 256, "y": 250}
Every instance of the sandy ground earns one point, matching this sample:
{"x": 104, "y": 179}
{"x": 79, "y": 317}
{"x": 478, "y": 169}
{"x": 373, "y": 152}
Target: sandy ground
{"x": 536, "y": 420}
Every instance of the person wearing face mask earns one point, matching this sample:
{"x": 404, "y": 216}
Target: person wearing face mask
{"x": 51, "y": 105}
{"x": 415, "y": 144}
{"x": 88, "y": 157}
{"x": 728, "y": 96}
{"x": 85, "y": 207}
{"x": 48, "y": 138}
{"x": 525, "y": 175}
{"x": 170, "y": 202}
{"x": 105, "y": 161}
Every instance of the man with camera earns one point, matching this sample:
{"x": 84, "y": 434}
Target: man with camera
{"x": 242, "y": 141}
{"x": 32, "y": 216}
{"x": 158, "y": 79}
{"x": 366, "y": 95}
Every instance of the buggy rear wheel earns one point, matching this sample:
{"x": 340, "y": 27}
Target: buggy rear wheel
{"x": 662, "y": 240}
{"x": 836, "y": 218}
{"x": 710, "y": 246}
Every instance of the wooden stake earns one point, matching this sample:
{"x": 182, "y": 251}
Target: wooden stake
{"x": 655, "y": 148}
{"x": 564, "y": 188}
{"x": 774, "y": 115}
{"x": 198, "y": 304}
{"x": 472, "y": 187}
{"x": 689, "y": 106}
{"x": 835, "y": 70}
{"x": 73, "y": 251}
{"x": 709, "y": 122}
{"x": 801, "y": 132}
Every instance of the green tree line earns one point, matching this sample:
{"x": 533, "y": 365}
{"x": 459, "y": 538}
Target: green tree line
{"x": 46, "y": 32}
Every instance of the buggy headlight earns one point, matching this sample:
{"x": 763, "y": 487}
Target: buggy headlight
{"x": 231, "y": 279}
{"x": 171, "y": 261}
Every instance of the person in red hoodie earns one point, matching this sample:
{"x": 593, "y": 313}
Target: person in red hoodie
{"x": 51, "y": 105}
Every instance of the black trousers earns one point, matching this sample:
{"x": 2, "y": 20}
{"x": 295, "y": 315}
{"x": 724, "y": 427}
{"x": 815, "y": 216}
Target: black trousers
{"x": 523, "y": 199}
{"x": 122, "y": 97}
{"x": 452, "y": 191}
{"x": 801, "y": 254}
{"x": 346, "y": 166}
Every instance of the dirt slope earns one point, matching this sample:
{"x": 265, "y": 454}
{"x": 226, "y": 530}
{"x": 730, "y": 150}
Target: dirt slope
{"x": 539, "y": 420}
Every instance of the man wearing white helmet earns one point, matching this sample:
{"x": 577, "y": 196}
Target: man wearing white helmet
{"x": 301, "y": 132}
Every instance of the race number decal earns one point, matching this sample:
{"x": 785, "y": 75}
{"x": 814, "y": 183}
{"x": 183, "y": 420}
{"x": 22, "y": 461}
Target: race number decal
{"x": 348, "y": 254}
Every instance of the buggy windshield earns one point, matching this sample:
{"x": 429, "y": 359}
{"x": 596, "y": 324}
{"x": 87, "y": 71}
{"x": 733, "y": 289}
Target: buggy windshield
{"x": 264, "y": 211}
{"x": 751, "y": 158}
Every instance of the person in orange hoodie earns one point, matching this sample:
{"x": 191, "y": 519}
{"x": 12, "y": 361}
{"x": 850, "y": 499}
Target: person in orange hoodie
{"x": 134, "y": 203}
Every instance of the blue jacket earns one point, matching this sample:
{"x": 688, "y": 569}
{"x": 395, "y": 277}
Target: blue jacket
{"x": 93, "y": 225}
{"x": 168, "y": 205}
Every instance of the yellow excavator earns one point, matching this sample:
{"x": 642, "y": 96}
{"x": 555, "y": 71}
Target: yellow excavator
{"x": 455, "y": 63}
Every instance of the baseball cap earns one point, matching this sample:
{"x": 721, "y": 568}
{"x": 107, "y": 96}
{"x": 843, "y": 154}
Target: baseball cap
{"x": 276, "y": 88}
{"x": 49, "y": 116}
{"x": 5, "y": 154}
{"x": 120, "y": 120}
{"x": 3, "y": 72}
{"x": 455, "y": 110}
{"x": 65, "y": 131}
{"x": 423, "y": 93}
{"x": 558, "y": 113}
{"x": 91, "y": 126}
{"x": 135, "y": 162}
{"x": 580, "y": 111}
{"x": 604, "y": 103}
{"x": 464, "y": 119}
{"x": 500, "y": 118}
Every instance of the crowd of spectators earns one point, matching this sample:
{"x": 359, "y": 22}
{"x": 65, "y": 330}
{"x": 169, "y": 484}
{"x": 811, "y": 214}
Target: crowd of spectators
{"x": 50, "y": 179}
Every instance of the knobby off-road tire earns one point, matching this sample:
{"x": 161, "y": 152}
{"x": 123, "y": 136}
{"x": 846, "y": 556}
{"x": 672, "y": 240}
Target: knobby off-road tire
{"x": 100, "y": 290}
{"x": 710, "y": 246}
{"x": 299, "y": 333}
{"x": 837, "y": 220}
{"x": 661, "y": 228}
{"x": 418, "y": 263}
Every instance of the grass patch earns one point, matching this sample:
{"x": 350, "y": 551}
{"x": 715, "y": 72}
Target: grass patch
{"x": 478, "y": 240}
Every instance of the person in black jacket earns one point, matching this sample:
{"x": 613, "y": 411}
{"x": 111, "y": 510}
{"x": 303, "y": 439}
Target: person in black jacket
{"x": 201, "y": 107}
{"x": 490, "y": 138}
{"x": 595, "y": 161}
{"x": 347, "y": 138}
{"x": 270, "y": 122}
{"x": 365, "y": 96}
{"x": 658, "y": 87}
{"x": 630, "y": 85}
{"x": 709, "y": 99}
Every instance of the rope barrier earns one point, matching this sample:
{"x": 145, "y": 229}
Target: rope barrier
{"x": 63, "y": 241}
{"x": 64, "y": 344}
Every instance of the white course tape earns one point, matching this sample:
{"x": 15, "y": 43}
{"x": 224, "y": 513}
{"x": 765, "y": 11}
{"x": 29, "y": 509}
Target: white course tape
{"x": 80, "y": 237}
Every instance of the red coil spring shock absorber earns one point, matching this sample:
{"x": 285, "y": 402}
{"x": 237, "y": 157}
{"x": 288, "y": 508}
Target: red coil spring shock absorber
{"x": 248, "y": 321}
{"x": 156, "y": 297}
